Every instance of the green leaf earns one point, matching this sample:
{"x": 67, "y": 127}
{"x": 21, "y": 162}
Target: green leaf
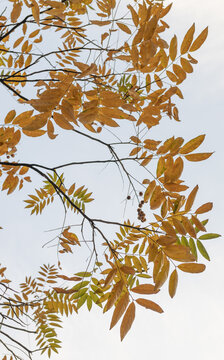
{"x": 80, "y": 285}
{"x": 209, "y": 236}
{"x": 89, "y": 303}
{"x": 202, "y": 250}
{"x": 193, "y": 248}
{"x": 83, "y": 274}
{"x": 184, "y": 241}
{"x": 81, "y": 300}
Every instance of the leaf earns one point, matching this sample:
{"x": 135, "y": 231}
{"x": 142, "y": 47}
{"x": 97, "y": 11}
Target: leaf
{"x": 200, "y": 40}
{"x": 202, "y": 250}
{"x": 173, "y": 48}
{"x": 209, "y": 236}
{"x": 119, "y": 309}
{"x": 10, "y": 116}
{"x": 204, "y": 208}
{"x": 179, "y": 253}
{"x": 124, "y": 28}
{"x": 148, "y": 304}
{"x": 17, "y": 7}
{"x": 192, "y": 268}
{"x": 188, "y": 38}
{"x": 128, "y": 320}
{"x": 134, "y": 15}
{"x": 192, "y": 145}
{"x": 62, "y": 122}
{"x": 173, "y": 283}
{"x": 198, "y": 156}
{"x": 190, "y": 199}
{"x": 145, "y": 289}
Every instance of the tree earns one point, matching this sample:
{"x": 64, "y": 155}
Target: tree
{"x": 108, "y": 67}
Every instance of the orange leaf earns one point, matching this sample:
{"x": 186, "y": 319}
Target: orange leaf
{"x": 188, "y": 38}
{"x": 192, "y": 267}
{"x": 148, "y": 304}
{"x": 179, "y": 253}
{"x": 62, "y": 122}
{"x": 145, "y": 289}
{"x": 192, "y": 145}
{"x": 134, "y": 15}
{"x": 173, "y": 283}
{"x": 173, "y": 48}
{"x": 198, "y": 156}
{"x": 127, "y": 321}
{"x": 10, "y": 116}
{"x": 119, "y": 309}
{"x": 190, "y": 199}
{"x": 204, "y": 208}
{"x": 200, "y": 40}
{"x": 124, "y": 28}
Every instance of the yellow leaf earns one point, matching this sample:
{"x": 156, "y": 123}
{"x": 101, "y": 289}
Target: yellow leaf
{"x": 192, "y": 267}
{"x": 149, "y": 191}
{"x": 173, "y": 283}
{"x": 189, "y": 227}
{"x": 179, "y": 253}
{"x": 163, "y": 274}
{"x": 179, "y": 72}
{"x": 35, "y": 11}
{"x": 175, "y": 187}
{"x": 160, "y": 167}
{"x": 190, "y": 199}
{"x": 134, "y": 15}
{"x": 197, "y": 223}
{"x": 157, "y": 198}
{"x": 62, "y": 122}
{"x": 145, "y": 289}
{"x": 124, "y": 27}
{"x": 110, "y": 277}
{"x": 116, "y": 292}
{"x": 179, "y": 226}
{"x": 38, "y": 122}
{"x": 16, "y": 11}
{"x": 150, "y": 28}
{"x": 34, "y": 133}
{"x": 200, "y": 40}
{"x": 198, "y": 156}
{"x": 192, "y": 144}
{"x": 18, "y": 41}
{"x": 127, "y": 321}
{"x": 100, "y": 23}
{"x": 148, "y": 304}
{"x": 188, "y": 38}
{"x": 204, "y": 208}
{"x": 168, "y": 228}
{"x": 173, "y": 48}
{"x": 119, "y": 309}
{"x": 186, "y": 65}
{"x": 10, "y": 116}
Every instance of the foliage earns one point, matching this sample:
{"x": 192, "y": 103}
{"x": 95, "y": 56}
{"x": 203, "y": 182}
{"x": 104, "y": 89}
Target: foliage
{"x": 85, "y": 84}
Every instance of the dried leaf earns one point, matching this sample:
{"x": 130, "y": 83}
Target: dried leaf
{"x": 127, "y": 321}
{"x": 173, "y": 283}
{"x": 148, "y": 304}
{"x": 119, "y": 309}
{"x": 192, "y": 267}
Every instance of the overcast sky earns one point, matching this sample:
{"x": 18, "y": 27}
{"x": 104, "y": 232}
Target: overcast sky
{"x": 192, "y": 324}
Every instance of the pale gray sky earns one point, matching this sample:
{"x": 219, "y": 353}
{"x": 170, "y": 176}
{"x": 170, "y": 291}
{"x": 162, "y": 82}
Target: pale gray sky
{"x": 192, "y": 324}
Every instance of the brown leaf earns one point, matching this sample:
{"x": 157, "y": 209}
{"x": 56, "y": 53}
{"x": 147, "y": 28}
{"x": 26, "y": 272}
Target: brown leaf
{"x": 192, "y": 145}
{"x": 190, "y": 199}
{"x": 204, "y": 208}
{"x": 127, "y": 321}
{"x": 124, "y": 27}
{"x": 148, "y": 304}
{"x": 173, "y": 283}
{"x": 200, "y": 40}
{"x": 188, "y": 38}
{"x": 119, "y": 309}
{"x": 179, "y": 253}
{"x": 198, "y": 156}
{"x": 145, "y": 289}
{"x": 192, "y": 267}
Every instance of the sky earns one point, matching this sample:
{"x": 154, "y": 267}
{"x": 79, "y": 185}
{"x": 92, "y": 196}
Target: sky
{"x": 192, "y": 324}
